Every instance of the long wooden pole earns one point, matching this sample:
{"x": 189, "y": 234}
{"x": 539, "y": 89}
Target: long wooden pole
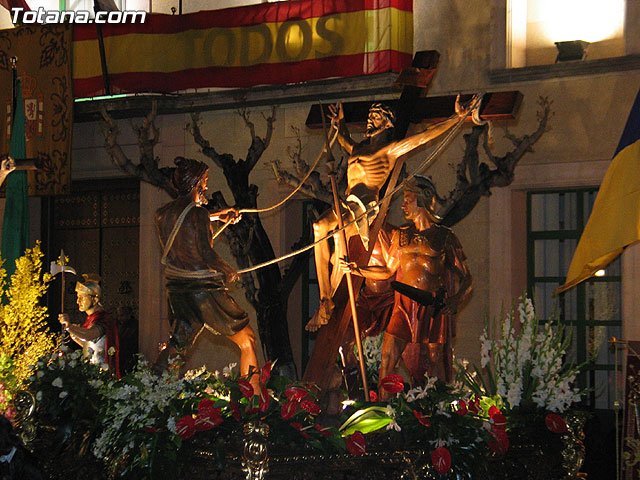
{"x": 343, "y": 240}
{"x": 352, "y": 296}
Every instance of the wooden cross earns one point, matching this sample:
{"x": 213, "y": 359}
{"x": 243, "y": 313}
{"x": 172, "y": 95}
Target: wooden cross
{"x": 321, "y": 367}
{"x": 411, "y": 107}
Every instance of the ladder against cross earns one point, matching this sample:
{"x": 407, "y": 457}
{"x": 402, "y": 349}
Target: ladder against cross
{"x": 412, "y": 107}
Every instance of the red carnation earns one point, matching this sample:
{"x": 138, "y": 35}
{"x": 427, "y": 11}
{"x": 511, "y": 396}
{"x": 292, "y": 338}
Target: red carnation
{"x": 295, "y": 393}
{"x": 356, "y": 444}
{"x": 288, "y": 410}
{"x": 207, "y": 419}
{"x": 493, "y": 410}
{"x": 393, "y": 383}
{"x": 245, "y": 388}
{"x": 556, "y": 423}
{"x": 265, "y": 399}
{"x": 373, "y": 396}
{"x": 309, "y": 406}
{"x": 441, "y": 459}
{"x": 462, "y": 408}
{"x": 423, "y": 419}
{"x": 186, "y": 427}
{"x": 298, "y": 426}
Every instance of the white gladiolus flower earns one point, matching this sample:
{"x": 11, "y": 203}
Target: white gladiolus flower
{"x": 528, "y": 352}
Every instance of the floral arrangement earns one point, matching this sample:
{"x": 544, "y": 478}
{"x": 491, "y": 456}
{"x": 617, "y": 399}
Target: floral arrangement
{"x": 67, "y": 388}
{"x": 148, "y": 418}
{"x": 525, "y": 364}
{"x": 23, "y": 332}
{"x": 439, "y": 418}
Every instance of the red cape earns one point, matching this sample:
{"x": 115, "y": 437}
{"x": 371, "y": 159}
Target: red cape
{"x": 108, "y": 324}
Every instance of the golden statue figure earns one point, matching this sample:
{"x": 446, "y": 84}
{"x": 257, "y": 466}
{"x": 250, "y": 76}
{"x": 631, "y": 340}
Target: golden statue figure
{"x": 369, "y": 164}
{"x": 195, "y": 273}
{"x": 98, "y": 335}
{"x": 429, "y": 263}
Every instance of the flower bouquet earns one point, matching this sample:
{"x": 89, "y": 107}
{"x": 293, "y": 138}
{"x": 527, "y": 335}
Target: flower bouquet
{"x": 441, "y": 420}
{"x": 526, "y": 376}
{"x": 148, "y": 421}
{"x": 67, "y": 389}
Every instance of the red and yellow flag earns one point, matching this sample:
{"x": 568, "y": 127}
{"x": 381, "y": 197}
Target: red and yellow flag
{"x": 268, "y": 43}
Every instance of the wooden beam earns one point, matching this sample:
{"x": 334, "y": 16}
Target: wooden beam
{"x": 495, "y": 106}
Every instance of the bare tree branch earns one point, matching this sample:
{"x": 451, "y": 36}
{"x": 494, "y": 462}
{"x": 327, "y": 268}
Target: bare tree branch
{"x": 258, "y": 145}
{"x": 224, "y": 161}
{"x": 475, "y": 179}
{"x": 147, "y": 170}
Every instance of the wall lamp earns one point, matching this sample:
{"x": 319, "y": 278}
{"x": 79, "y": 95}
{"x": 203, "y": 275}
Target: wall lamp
{"x": 571, "y": 50}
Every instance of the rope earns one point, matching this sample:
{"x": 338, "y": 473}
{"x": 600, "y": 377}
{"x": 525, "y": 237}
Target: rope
{"x": 420, "y": 168}
{"x": 286, "y": 199}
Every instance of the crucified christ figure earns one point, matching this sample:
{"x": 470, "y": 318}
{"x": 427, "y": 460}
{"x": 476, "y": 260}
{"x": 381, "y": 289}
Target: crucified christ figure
{"x": 369, "y": 164}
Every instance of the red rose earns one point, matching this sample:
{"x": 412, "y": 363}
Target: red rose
{"x": 298, "y": 426}
{"x": 556, "y": 423}
{"x": 423, "y": 419}
{"x": 207, "y": 419}
{"x": 186, "y": 427}
{"x": 235, "y": 410}
{"x": 356, "y": 444}
{"x": 265, "y": 399}
{"x": 295, "y": 393}
{"x": 288, "y": 410}
{"x": 462, "y": 408}
{"x": 309, "y": 406}
{"x": 373, "y": 396}
{"x": 393, "y": 383}
{"x": 205, "y": 403}
{"x": 265, "y": 373}
{"x": 325, "y": 431}
{"x": 441, "y": 459}
{"x": 245, "y": 388}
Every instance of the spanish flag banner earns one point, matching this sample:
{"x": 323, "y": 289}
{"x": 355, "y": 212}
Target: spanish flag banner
{"x": 267, "y": 43}
{"x": 615, "y": 219}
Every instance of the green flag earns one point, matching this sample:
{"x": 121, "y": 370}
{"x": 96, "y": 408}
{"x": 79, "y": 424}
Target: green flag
{"x": 15, "y": 226}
